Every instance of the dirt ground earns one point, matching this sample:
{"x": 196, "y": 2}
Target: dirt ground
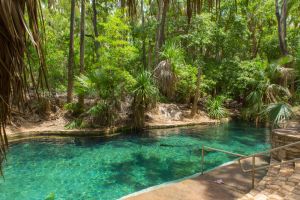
{"x": 163, "y": 116}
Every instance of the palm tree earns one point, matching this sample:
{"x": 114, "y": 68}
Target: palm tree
{"x": 13, "y": 37}
{"x": 144, "y": 96}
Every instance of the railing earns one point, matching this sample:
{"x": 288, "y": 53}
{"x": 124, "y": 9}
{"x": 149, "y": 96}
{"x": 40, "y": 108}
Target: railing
{"x": 253, "y": 156}
{"x": 218, "y": 150}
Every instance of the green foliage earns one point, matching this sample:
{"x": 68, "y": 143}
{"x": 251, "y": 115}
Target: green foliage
{"x": 103, "y": 113}
{"x": 238, "y": 48}
{"x": 74, "y": 108}
{"x": 202, "y": 31}
{"x": 278, "y": 113}
{"x": 145, "y": 94}
{"x": 174, "y": 53}
{"x": 144, "y": 90}
{"x": 215, "y": 108}
{"x": 116, "y": 50}
{"x": 239, "y": 76}
{"x": 262, "y": 96}
{"x": 76, "y": 123}
{"x": 110, "y": 85}
{"x": 186, "y": 86}
{"x": 56, "y": 48}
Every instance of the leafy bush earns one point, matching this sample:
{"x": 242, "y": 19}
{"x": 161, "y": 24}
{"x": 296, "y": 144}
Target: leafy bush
{"x": 103, "y": 113}
{"x": 77, "y": 123}
{"x": 74, "y": 108}
{"x": 186, "y": 86}
{"x": 215, "y": 108}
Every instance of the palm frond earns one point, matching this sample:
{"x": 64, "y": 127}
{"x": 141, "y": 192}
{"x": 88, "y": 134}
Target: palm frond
{"x": 165, "y": 78}
{"x": 145, "y": 95}
{"x": 278, "y": 113}
{"x": 215, "y": 108}
{"x": 274, "y": 92}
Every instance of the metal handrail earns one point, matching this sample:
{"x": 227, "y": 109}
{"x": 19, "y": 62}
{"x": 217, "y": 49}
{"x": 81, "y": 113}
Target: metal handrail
{"x": 272, "y": 165}
{"x": 218, "y": 150}
{"x": 265, "y": 152}
{"x": 242, "y": 157}
{"x": 272, "y": 150}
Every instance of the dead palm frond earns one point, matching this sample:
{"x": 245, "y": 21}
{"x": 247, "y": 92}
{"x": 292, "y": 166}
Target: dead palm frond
{"x": 165, "y": 78}
{"x": 14, "y": 32}
{"x": 274, "y": 92}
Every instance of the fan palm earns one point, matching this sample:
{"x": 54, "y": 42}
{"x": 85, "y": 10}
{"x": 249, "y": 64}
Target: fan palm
{"x": 14, "y": 33}
{"x": 265, "y": 95}
{"x": 278, "y": 113}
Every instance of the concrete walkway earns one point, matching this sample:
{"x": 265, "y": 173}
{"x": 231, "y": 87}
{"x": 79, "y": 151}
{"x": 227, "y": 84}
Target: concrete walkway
{"x": 235, "y": 185}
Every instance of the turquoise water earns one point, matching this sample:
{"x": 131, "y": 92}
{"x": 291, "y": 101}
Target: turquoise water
{"x": 92, "y": 168}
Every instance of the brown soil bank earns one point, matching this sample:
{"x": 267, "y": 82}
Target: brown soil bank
{"x": 163, "y": 116}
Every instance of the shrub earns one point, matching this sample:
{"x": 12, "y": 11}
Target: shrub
{"x": 215, "y": 108}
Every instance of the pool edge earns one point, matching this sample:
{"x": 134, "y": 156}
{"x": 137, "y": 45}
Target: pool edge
{"x": 149, "y": 189}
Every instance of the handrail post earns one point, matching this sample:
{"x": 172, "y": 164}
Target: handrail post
{"x": 202, "y": 160}
{"x": 253, "y": 171}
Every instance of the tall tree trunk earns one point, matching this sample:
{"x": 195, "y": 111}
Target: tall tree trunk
{"x": 96, "y": 42}
{"x": 252, "y": 29}
{"x": 71, "y": 55}
{"x": 160, "y": 34}
{"x": 197, "y": 93}
{"x": 189, "y": 11}
{"x": 281, "y": 20}
{"x": 143, "y": 36}
{"x": 150, "y": 49}
{"x": 82, "y": 33}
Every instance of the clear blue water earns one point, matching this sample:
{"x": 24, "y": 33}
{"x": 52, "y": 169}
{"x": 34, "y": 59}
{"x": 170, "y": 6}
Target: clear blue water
{"x": 89, "y": 168}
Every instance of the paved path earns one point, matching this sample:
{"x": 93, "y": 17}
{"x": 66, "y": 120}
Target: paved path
{"x": 236, "y": 184}
{"x": 282, "y": 182}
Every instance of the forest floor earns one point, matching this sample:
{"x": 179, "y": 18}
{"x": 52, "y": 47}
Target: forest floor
{"x": 163, "y": 116}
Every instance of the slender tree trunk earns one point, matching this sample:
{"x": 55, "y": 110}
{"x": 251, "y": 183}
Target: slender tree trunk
{"x": 281, "y": 20}
{"x": 150, "y": 49}
{"x": 189, "y": 11}
{"x": 82, "y": 33}
{"x": 197, "y": 93}
{"x": 96, "y": 43}
{"x": 160, "y": 34}
{"x": 143, "y": 36}
{"x": 252, "y": 29}
{"x": 163, "y": 23}
{"x": 158, "y": 18}
{"x": 71, "y": 55}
